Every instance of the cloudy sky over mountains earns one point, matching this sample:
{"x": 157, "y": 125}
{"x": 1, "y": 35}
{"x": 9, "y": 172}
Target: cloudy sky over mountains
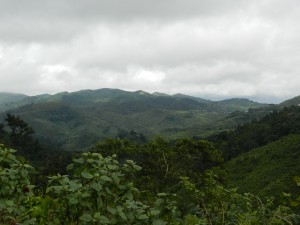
{"x": 211, "y": 48}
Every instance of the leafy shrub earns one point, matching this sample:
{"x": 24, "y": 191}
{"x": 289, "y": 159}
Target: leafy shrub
{"x": 15, "y": 186}
{"x": 100, "y": 190}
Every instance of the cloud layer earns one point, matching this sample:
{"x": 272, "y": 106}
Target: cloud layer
{"x": 216, "y": 49}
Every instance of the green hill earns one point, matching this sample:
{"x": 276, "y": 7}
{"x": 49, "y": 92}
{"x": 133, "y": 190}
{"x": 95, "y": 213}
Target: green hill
{"x": 239, "y": 104}
{"x": 10, "y": 97}
{"x": 268, "y": 170}
{"x": 7, "y": 99}
{"x": 78, "y": 119}
{"x": 294, "y": 101}
{"x": 273, "y": 126}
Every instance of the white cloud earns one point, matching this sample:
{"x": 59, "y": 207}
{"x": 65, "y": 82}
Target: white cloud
{"x": 212, "y": 48}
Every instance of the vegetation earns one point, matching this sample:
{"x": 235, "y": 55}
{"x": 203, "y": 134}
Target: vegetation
{"x": 78, "y": 120}
{"x": 277, "y": 124}
{"x": 100, "y": 190}
{"x": 267, "y": 170}
{"x": 164, "y": 161}
{"x": 247, "y": 175}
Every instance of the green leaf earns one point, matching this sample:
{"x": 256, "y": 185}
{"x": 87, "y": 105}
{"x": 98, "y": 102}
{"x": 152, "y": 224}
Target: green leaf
{"x": 73, "y": 201}
{"x": 136, "y": 167}
{"x": 112, "y": 167}
{"x": 70, "y": 167}
{"x": 74, "y": 186}
{"x": 87, "y": 175}
{"x": 294, "y": 204}
{"x": 58, "y": 188}
{"x": 154, "y": 212}
{"x": 159, "y": 222}
{"x": 9, "y": 203}
{"x": 287, "y": 195}
{"x": 101, "y": 219}
{"x": 115, "y": 178}
{"x": 9, "y": 209}
{"x": 86, "y": 218}
{"x": 297, "y": 180}
{"x": 80, "y": 160}
{"x": 143, "y": 217}
{"x": 112, "y": 210}
{"x": 96, "y": 186}
{"x": 106, "y": 178}
{"x": 122, "y": 215}
{"x": 85, "y": 195}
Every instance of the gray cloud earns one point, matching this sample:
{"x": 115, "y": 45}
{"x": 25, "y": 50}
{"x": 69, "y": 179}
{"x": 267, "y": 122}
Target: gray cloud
{"x": 51, "y": 20}
{"x": 217, "y": 48}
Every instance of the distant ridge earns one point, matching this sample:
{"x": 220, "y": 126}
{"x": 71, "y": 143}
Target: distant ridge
{"x": 159, "y": 94}
{"x": 293, "y": 101}
{"x": 6, "y": 97}
{"x": 240, "y": 103}
{"x": 182, "y": 96}
{"x": 78, "y": 119}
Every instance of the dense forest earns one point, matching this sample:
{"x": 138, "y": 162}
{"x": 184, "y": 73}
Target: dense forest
{"x": 243, "y": 175}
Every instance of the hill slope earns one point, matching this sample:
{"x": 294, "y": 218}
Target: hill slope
{"x": 268, "y": 170}
{"x": 7, "y": 99}
{"x": 294, "y": 101}
{"x": 77, "y": 120}
{"x": 273, "y": 126}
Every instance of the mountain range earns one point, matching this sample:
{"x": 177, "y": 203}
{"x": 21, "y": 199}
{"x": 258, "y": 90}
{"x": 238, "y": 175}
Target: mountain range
{"x": 77, "y": 120}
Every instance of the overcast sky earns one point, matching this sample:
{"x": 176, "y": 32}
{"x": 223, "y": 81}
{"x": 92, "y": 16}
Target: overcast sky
{"x": 214, "y": 49}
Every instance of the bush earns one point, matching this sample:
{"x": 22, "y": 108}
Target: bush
{"x": 100, "y": 190}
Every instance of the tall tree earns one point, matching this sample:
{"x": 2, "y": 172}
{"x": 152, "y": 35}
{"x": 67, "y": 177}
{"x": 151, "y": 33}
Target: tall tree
{"x": 20, "y": 132}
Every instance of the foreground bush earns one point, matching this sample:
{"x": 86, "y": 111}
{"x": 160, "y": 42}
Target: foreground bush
{"x": 100, "y": 190}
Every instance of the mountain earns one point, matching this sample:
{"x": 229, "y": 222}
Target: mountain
{"x": 239, "y": 104}
{"x": 294, "y": 101}
{"x": 6, "y": 99}
{"x": 78, "y": 119}
{"x": 10, "y": 97}
{"x": 182, "y": 96}
{"x": 267, "y": 170}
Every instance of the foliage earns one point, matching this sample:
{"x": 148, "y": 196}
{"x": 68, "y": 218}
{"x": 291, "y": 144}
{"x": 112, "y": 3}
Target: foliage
{"x": 15, "y": 186}
{"x": 17, "y": 134}
{"x": 100, "y": 190}
{"x": 259, "y": 132}
{"x": 213, "y": 204}
{"x": 19, "y": 130}
{"x": 268, "y": 170}
{"x": 164, "y": 161}
{"x": 123, "y": 148}
{"x": 97, "y": 192}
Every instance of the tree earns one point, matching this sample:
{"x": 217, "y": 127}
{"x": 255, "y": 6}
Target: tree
{"x": 20, "y": 132}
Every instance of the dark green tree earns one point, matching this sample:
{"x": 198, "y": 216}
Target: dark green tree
{"x": 19, "y": 131}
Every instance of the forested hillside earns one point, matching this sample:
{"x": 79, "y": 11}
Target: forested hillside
{"x": 277, "y": 124}
{"x": 7, "y": 100}
{"x": 79, "y": 119}
{"x": 267, "y": 170}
